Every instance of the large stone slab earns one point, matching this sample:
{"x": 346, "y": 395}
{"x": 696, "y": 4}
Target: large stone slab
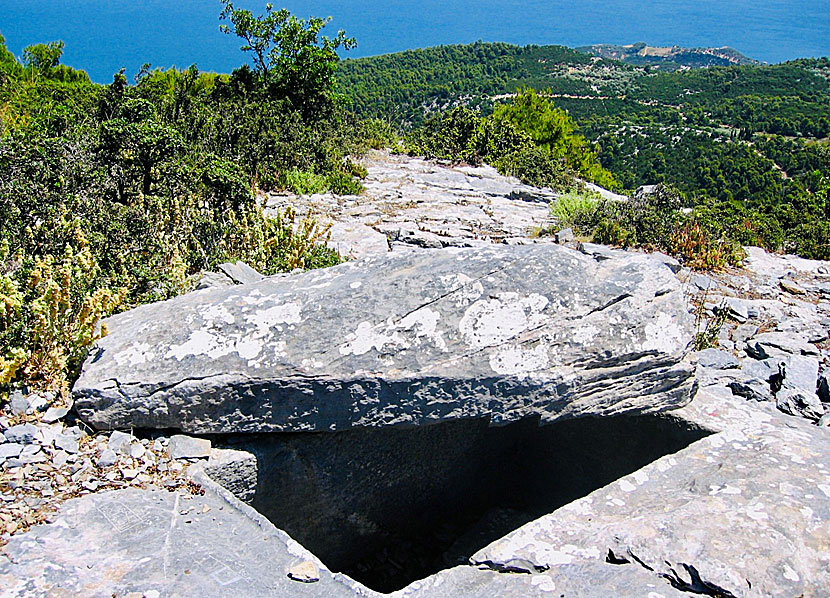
{"x": 402, "y": 339}
{"x": 741, "y": 513}
{"x": 146, "y": 543}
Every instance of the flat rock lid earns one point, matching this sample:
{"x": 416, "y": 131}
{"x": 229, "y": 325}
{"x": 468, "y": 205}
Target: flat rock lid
{"x": 401, "y": 339}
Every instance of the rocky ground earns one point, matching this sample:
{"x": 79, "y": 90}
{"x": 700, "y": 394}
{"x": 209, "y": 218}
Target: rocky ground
{"x": 48, "y": 457}
{"x": 409, "y": 202}
{"x": 767, "y": 327}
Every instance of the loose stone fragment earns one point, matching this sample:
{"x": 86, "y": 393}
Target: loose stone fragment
{"x": 137, "y": 450}
{"x": 18, "y": 403}
{"x": 120, "y": 442}
{"x": 22, "y": 433}
{"x": 188, "y": 447}
{"x": 10, "y": 450}
{"x": 54, "y": 414}
{"x": 792, "y": 287}
{"x": 306, "y": 572}
{"x": 107, "y": 458}
{"x": 67, "y": 443}
{"x": 797, "y": 402}
{"x": 235, "y": 470}
{"x": 38, "y": 403}
{"x": 566, "y": 235}
{"x": 717, "y": 359}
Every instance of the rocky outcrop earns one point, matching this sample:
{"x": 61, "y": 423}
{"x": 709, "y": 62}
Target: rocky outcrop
{"x": 418, "y": 203}
{"x": 500, "y": 333}
{"x": 155, "y": 543}
{"x": 727, "y": 496}
{"x": 740, "y": 513}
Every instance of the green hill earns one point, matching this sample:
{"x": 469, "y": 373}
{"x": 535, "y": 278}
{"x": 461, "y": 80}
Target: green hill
{"x": 746, "y": 141}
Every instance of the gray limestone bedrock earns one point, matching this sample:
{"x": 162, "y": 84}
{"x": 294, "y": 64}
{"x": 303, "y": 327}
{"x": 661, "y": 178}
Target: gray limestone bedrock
{"x": 504, "y": 332}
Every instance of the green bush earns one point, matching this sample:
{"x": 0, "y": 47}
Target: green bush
{"x": 303, "y": 182}
{"x": 575, "y": 209}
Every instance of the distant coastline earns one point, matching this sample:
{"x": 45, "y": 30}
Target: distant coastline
{"x": 669, "y": 57}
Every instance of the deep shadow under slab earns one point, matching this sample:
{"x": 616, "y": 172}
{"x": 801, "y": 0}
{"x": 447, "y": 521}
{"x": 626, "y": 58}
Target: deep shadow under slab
{"x": 390, "y": 506}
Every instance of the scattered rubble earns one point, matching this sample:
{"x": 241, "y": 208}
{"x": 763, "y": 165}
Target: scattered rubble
{"x": 47, "y": 457}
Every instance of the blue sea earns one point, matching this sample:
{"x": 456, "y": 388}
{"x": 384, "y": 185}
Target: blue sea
{"x": 102, "y": 36}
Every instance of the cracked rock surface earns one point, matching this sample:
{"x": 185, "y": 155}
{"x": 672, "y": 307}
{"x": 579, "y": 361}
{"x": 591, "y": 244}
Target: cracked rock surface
{"x": 741, "y": 513}
{"x": 160, "y": 543}
{"x": 409, "y": 202}
{"x": 504, "y": 332}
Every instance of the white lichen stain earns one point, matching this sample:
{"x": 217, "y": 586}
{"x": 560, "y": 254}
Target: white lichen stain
{"x": 825, "y": 488}
{"x": 543, "y": 583}
{"x": 135, "y": 355}
{"x": 424, "y": 322}
{"x": 664, "y": 335}
{"x": 493, "y": 321}
{"x": 557, "y": 557}
{"x": 248, "y": 344}
{"x": 725, "y": 489}
{"x": 201, "y": 342}
{"x": 365, "y": 338}
{"x": 579, "y": 507}
{"x": 248, "y": 349}
{"x": 462, "y": 289}
{"x": 215, "y": 313}
{"x": 287, "y": 313}
{"x": 416, "y": 328}
{"x": 627, "y": 486}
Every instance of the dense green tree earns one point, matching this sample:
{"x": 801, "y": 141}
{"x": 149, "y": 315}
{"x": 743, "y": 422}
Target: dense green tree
{"x": 291, "y": 58}
{"x": 42, "y": 57}
{"x": 553, "y": 130}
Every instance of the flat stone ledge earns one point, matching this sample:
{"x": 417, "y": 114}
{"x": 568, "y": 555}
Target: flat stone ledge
{"x": 740, "y": 513}
{"x": 136, "y": 542}
{"x": 504, "y": 332}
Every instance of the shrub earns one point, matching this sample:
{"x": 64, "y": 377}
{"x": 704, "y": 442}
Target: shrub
{"x": 694, "y": 245}
{"x": 51, "y": 312}
{"x": 303, "y": 182}
{"x": 575, "y": 209}
{"x": 462, "y": 135}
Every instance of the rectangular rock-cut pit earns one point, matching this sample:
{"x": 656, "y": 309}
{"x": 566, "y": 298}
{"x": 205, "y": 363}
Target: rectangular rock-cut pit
{"x": 389, "y": 506}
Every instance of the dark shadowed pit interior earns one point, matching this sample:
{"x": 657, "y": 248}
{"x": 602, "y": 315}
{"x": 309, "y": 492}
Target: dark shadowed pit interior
{"x": 390, "y": 506}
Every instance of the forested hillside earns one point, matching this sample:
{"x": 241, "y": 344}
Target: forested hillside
{"x": 745, "y": 145}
